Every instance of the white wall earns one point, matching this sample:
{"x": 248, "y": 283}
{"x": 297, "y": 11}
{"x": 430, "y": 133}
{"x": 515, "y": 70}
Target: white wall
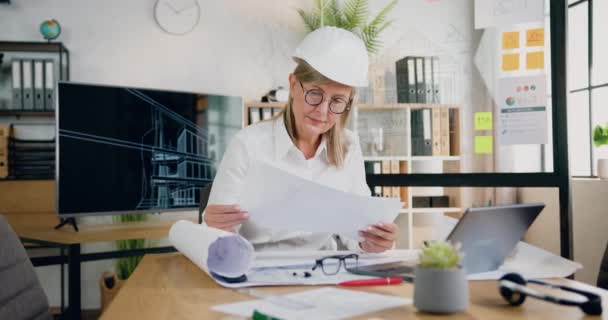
{"x": 239, "y": 48}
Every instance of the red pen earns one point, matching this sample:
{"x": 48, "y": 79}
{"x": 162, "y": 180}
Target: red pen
{"x": 372, "y": 282}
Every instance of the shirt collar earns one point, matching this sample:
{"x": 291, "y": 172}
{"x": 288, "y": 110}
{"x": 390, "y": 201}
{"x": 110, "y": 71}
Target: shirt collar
{"x": 283, "y": 143}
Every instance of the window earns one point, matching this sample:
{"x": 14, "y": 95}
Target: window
{"x": 587, "y": 82}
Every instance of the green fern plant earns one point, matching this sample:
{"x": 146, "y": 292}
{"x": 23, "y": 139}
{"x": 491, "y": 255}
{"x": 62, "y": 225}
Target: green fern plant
{"x": 125, "y": 266}
{"x": 352, "y": 16}
{"x": 600, "y": 135}
{"x": 440, "y": 255}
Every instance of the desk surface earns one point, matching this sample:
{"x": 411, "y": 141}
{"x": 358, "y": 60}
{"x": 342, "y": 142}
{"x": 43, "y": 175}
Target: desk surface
{"x": 40, "y": 226}
{"x": 169, "y": 286}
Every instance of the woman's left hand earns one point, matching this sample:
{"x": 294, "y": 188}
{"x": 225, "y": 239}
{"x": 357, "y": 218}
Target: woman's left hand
{"x": 379, "y": 237}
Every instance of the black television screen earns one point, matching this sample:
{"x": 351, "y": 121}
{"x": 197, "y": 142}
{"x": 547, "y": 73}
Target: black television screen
{"x": 126, "y": 150}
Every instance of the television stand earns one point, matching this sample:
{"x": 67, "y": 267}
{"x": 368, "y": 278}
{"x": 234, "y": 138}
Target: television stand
{"x": 65, "y": 221}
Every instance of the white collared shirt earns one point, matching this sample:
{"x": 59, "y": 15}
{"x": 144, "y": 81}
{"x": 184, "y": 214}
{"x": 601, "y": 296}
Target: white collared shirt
{"x": 268, "y": 141}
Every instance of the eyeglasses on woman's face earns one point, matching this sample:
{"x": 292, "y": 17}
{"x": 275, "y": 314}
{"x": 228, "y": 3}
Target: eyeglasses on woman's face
{"x": 315, "y": 97}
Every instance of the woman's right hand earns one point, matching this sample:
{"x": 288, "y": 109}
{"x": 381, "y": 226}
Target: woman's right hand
{"x": 225, "y": 217}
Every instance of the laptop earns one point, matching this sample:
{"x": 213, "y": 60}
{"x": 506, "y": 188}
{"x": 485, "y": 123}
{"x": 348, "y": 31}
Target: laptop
{"x": 487, "y": 235}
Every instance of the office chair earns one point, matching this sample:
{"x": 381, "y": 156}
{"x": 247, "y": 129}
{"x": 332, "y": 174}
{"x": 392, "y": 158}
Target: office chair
{"x": 602, "y": 277}
{"x": 21, "y": 295}
{"x": 204, "y": 199}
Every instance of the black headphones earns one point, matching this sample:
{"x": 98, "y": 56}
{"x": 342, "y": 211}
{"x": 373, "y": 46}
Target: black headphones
{"x": 513, "y": 288}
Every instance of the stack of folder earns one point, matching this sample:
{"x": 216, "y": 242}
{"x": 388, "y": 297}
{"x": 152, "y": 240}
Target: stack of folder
{"x": 4, "y": 136}
{"x": 392, "y": 167}
{"x": 435, "y": 132}
{"x": 33, "y": 85}
{"x": 418, "y": 80}
{"x": 32, "y": 159}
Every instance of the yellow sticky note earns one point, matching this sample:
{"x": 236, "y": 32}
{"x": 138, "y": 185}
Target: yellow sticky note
{"x": 483, "y": 120}
{"x": 510, "y": 62}
{"x": 483, "y": 144}
{"x": 535, "y": 60}
{"x": 535, "y": 37}
{"x": 510, "y": 40}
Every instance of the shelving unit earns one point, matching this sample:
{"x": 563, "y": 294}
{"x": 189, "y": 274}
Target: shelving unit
{"x": 260, "y": 107}
{"x": 385, "y": 133}
{"x": 47, "y": 63}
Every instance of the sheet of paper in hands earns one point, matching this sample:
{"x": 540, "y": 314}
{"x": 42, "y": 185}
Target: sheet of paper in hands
{"x": 215, "y": 251}
{"x": 277, "y": 199}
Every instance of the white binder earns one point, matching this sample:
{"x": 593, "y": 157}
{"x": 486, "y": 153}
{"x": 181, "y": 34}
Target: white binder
{"x": 17, "y": 85}
{"x": 49, "y": 85}
{"x": 28, "y": 85}
{"x": 38, "y": 85}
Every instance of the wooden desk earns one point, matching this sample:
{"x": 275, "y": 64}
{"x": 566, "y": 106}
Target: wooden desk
{"x": 38, "y": 228}
{"x": 169, "y": 286}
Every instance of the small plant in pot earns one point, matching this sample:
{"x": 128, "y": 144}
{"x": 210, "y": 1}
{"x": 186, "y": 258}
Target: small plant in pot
{"x": 600, "y": 138}
{"x": 440, "y": 282}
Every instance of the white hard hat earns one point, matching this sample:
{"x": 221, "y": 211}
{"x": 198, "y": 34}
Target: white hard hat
{"x": 336, "y": 53}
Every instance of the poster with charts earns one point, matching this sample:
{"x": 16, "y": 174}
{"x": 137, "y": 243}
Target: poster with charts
{"x": 522, "y": 109}
{"x": 497, "y": 13}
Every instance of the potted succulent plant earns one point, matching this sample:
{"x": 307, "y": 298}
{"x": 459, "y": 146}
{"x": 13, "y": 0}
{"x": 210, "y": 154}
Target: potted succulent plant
{"x": 600, "y": 138}
{"x": 440, "y": 283}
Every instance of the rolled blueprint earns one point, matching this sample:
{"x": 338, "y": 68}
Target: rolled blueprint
{"x": 213, "y": 250}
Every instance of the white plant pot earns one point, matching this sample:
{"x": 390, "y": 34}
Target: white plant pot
{"x": 602, "y": 169}
{"x": 441, "y": 291}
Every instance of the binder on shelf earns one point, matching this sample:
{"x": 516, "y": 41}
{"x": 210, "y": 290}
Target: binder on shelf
{"x": 435, "y": 80}
{"x": 28, "y": 85}
{"x": 445, "y": 132}
{"x": 454, "y": 132}
{"x": 417, "y": 134}
{"x": 387, "y": 192}
{"x": 403, "y": 190}
{"x": 254, "y": 115}
{"x": 436, "y": 131}
{"x": 49, "y": 85}
{"x": 39, "y": 96}
{"x": 377, "y": 170}
{"x": 428, "y": 79}
{"x": 420, "y": 81}
{"x": 401, "y": 77}
{"x": 411, "y": 79}
{"x": 427, "y": 140}
{"x": 17, "y": 103}
{"x": 266, "y": 113}
{"x": 395, "y": 169}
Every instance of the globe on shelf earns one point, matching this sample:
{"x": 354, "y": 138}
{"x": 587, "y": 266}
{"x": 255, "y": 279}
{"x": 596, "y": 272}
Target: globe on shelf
{"x": 50, "y": 29}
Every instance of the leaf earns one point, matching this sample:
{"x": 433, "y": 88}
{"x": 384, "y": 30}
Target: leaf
{"x": 370, "y": 38}
{"x": 355, "y": 14}
{"x": 600, "y": 136}
{"x": 310, "y": 20}
{"x": 379, "y": 21}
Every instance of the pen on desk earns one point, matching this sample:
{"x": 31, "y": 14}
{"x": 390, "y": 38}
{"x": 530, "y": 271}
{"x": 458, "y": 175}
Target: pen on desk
{"x": 372, "y": 282}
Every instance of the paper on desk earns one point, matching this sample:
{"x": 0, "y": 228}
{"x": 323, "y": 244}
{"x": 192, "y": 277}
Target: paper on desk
{"x": 277, "y": 268}
{"x": 531, "y": 262}
{"x": 212, "y": 250}
{"x": 280, "y": 200}
{"x": 326, "y": 303}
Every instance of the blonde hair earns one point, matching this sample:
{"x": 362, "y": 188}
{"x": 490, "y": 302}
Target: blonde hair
{"x": 334, "y": 137}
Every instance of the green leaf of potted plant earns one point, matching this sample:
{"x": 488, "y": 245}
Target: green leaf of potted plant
{"x": 600, "y": 138}
{"x": 440, "y": 283}
{"x": 352, "y": 16}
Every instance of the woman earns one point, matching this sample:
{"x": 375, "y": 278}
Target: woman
{"x": 307, "y": 139}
